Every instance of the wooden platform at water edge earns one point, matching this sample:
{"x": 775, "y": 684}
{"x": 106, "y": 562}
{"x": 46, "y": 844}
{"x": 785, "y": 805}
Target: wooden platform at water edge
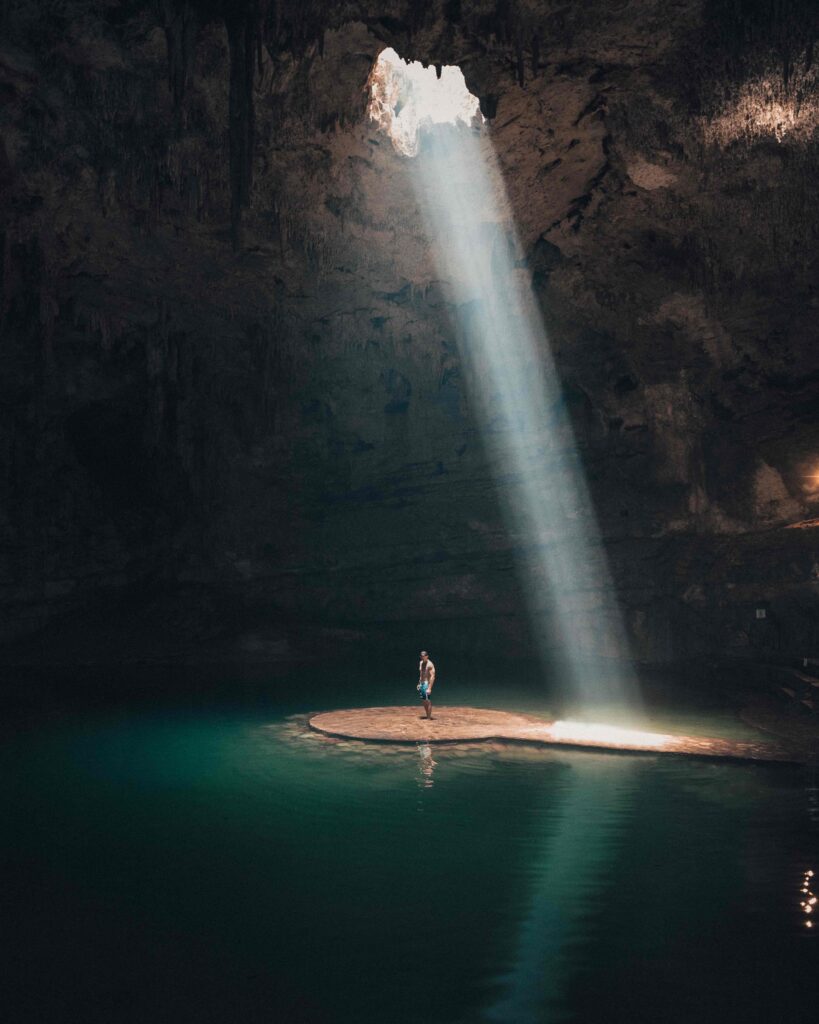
{"x": 465, "y": 724}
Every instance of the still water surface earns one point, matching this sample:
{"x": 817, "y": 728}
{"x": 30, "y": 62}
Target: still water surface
{"x": 215, "y": 861}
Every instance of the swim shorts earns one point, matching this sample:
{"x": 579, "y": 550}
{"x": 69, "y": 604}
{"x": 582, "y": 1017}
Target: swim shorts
{"x": 423, "y": 692}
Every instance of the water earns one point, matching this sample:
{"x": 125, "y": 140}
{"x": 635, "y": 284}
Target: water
{"x": 211, "y": 860}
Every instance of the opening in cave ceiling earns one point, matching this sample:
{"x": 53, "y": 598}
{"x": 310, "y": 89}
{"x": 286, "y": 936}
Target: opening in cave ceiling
{"x": 406, "y": 98}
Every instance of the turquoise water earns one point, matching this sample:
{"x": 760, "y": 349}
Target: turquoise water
{"x": 213, "y": 860}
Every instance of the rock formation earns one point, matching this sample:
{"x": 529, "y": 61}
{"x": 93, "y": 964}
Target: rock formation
{"x": 232, "y": 398}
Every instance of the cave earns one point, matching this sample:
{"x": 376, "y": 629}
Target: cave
{"x": 331, "y": 333}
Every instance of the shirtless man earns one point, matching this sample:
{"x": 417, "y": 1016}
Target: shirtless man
{"x": 426, "y": 680}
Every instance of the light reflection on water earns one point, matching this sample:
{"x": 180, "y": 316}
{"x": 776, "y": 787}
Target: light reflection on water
{"x": 567, "y": 889}
{"x": 240, "y": 867}
{"x": 808, "y": 902}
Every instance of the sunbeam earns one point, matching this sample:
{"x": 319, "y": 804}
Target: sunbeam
{"x": 515, "y": 391}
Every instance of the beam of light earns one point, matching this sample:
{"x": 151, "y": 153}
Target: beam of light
{"x": 516, "y": 393}
{"x": 569, "y": 876}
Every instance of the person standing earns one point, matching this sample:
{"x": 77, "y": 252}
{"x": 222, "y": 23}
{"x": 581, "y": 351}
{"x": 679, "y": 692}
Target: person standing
{"x": 426, "y": 680}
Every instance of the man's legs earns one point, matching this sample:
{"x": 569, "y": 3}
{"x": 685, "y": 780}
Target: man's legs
{"x": 428, "y": 707}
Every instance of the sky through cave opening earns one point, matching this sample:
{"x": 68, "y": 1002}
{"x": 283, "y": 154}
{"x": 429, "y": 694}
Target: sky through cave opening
{"x": 406, "y": 98}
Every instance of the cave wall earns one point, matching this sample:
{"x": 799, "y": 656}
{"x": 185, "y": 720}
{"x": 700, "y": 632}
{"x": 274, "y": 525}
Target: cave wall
{"x": 232, "y": 394}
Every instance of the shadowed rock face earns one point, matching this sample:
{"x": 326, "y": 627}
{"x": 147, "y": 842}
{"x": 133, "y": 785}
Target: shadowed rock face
{"x": 231, "y": 388}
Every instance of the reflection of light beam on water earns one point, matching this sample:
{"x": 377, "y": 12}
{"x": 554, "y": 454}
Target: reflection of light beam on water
{"x": 569, "y": 876}
{"x": 517, "y": 396}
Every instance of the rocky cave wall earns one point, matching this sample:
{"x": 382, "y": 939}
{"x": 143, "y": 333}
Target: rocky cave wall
{"x": 232, "y": 395}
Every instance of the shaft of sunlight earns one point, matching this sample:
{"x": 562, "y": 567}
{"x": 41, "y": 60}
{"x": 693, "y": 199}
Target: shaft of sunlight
{"x": 515, "y": 391}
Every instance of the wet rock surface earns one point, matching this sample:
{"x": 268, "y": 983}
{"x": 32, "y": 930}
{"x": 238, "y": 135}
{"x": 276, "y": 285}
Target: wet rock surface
{"x": 410, "y": 724}
{"x": 454, "y": 724}
{"x": 231, "y": 386}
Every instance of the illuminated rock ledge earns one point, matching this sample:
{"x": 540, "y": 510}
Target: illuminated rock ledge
{"x": 457, "y": 724}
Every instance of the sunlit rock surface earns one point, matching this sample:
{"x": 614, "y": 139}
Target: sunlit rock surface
{"x": 231, "y": 392}
{"x": 465, "y": 724}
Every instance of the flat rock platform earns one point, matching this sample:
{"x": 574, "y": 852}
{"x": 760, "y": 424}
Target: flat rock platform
{"x": 465, "y": 724}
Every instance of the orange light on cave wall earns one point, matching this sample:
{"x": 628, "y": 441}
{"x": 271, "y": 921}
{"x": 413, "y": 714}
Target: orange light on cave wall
{"x": 810, "y": 482}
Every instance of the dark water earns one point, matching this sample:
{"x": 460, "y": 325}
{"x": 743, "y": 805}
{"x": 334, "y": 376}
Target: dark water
{"x": 210, "y": 860}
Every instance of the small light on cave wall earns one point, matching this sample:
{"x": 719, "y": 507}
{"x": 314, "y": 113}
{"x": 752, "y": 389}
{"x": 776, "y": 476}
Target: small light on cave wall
{"x": 810, "y": 482}
{"x": 766, "y": 108}
{"x": 406, "y": 97}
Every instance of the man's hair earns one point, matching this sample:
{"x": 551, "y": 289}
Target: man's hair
{"x": 424, "y": 654}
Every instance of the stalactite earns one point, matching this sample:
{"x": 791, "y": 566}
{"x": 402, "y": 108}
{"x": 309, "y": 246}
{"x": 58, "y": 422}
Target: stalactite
{"x": 489, "y": 105}
{"x": 748, "y": 28}
{"x": 281, "y": 26}
{"x": 503, "y": 19}
{"x": 293, "y": 26}
{"x": 417, "y": 14}
{"x": 452, "y": 11}
{"x": 181, "y": 24}
{"x": 5, "y": 276}
{"x": 241, "y": 25}
{"x": 259, "y": 38}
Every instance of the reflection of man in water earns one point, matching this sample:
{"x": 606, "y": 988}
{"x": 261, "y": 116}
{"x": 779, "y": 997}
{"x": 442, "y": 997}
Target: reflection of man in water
{"x": 426, "y": 680}
{"x": 427, "y": 764}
